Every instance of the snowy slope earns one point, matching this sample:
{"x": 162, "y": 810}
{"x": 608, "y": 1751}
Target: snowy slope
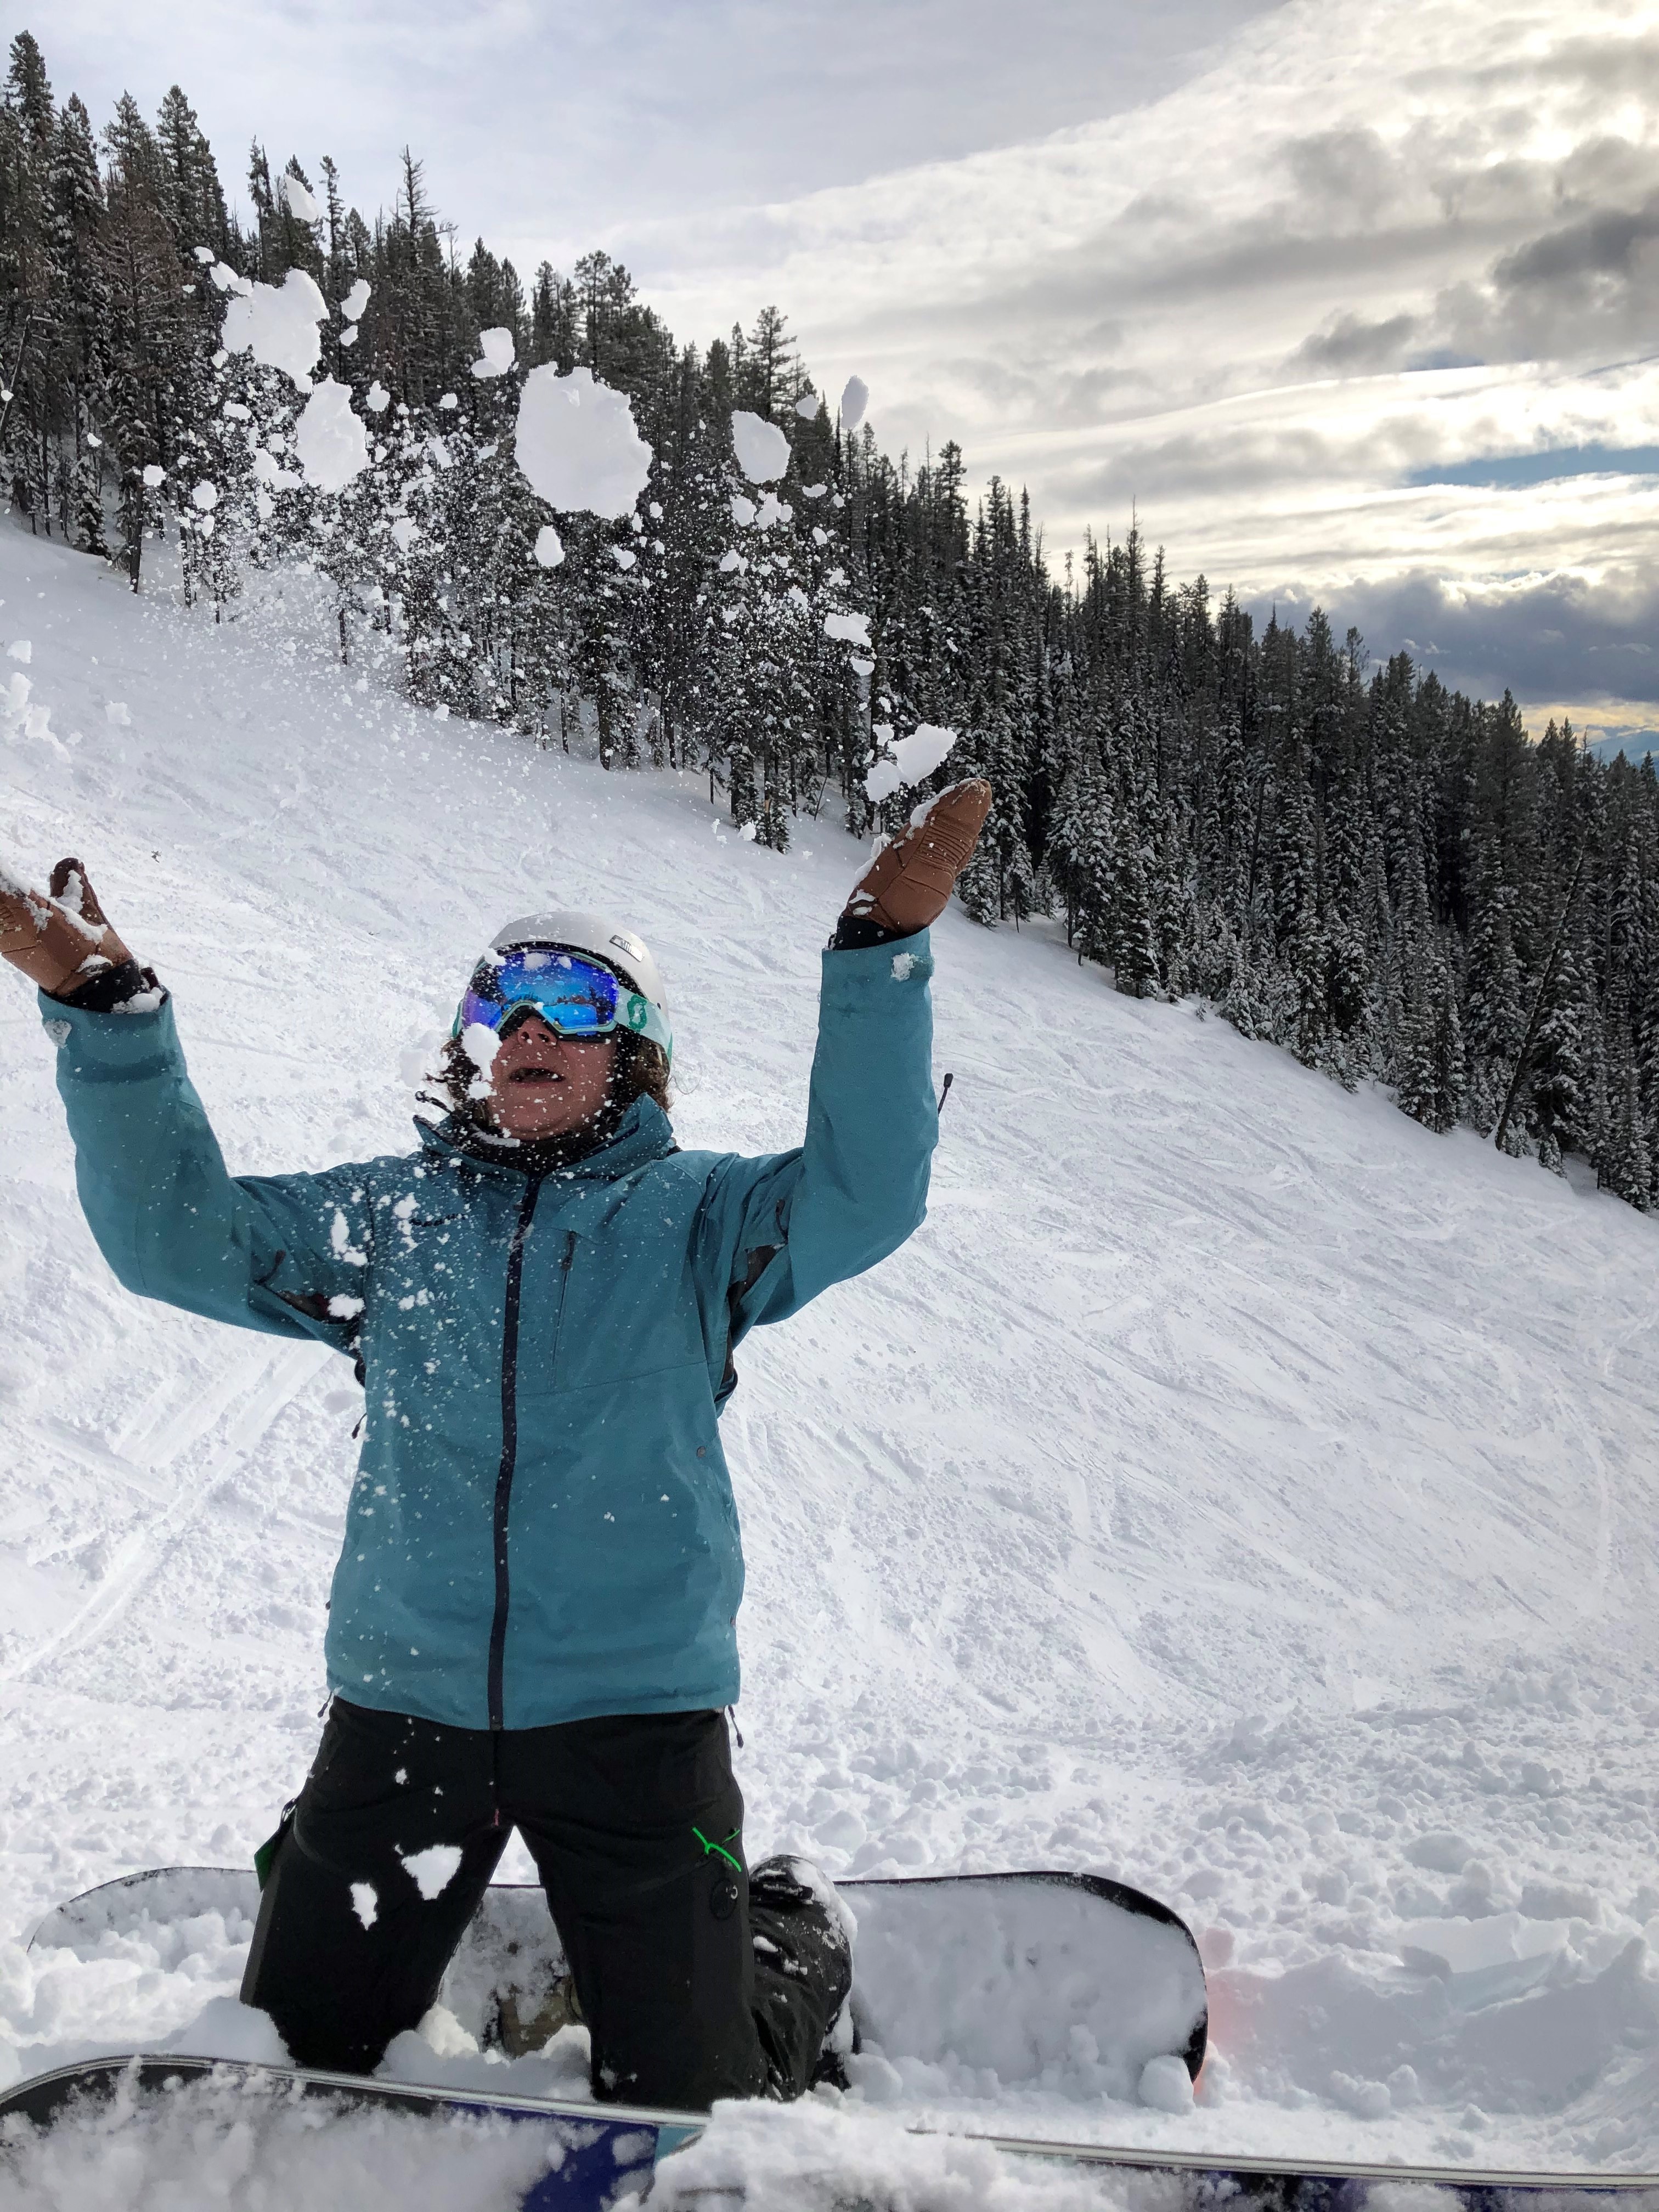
{"x": 1232, "y": 1487}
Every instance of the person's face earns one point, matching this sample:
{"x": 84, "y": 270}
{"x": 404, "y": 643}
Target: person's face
{"x": 541, "y": 1085}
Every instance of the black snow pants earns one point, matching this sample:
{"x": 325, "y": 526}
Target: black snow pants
{"x": 636, "y": 1825}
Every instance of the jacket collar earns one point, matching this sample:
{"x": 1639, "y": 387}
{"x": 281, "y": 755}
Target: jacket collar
{"x": 644, "y": 1134}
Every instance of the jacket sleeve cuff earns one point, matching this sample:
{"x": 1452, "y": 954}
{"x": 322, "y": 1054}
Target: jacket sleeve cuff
{"x": 128, "y": 1044}
{"x": 852, "y": 974}
{"x": 112, "y": 989}
{"x": 855, "y": 934}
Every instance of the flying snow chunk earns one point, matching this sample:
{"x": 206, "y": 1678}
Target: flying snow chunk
{"x": 300, "y": 201}
{"x": 854, "y": 629}
{"x": 623, "y": 557}
{"x": 913, "y": 758}
{"x": 364, "y": 1903}
{"x": 773, "y": 511}
{"x": 351, "y": 307}
{"x": 577, "y": 445}
{"x": 272, "y": 473}
{"x": 854, "y": 399}
{"x": 330, "y": 439}
{"x": 404, "y": 531}
{"x": 807, "y": 406}
{"x": 550, "y": 546}
{"x": 278, "y": 324}
{"x": 732, "y": 562}
{"x": 743, "y": 510}
{"x": 205, "y": 255}
{"x": 348, "y": 335}
{"x": 762, "y": 449}
{"x": 813, "y": 491}
{"x": 377, "y": 399}
{"x": 206, "y": 496}
{"x": 499, "y": 353}
{"x": 439, "y": 451}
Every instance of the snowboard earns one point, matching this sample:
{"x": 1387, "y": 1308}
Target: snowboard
{"x": 599, "y": 2154}
{"x": 1015, "y": 1973}
{"x": 595, "y": 2154}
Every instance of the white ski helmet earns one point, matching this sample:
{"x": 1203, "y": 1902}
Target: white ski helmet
{"x": 604, "y": 940}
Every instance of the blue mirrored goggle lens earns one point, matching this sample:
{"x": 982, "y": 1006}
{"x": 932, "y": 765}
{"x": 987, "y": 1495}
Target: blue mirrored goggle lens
{"x": 573, "y": 995}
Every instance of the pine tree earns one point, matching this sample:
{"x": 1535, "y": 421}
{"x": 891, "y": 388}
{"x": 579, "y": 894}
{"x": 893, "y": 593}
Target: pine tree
{"x": 1432, "y": 1077}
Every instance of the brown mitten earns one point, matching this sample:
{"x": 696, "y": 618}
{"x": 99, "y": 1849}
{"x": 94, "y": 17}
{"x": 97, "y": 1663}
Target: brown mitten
{"x": 909, "y": 882}
{"x": 59, "y": 940}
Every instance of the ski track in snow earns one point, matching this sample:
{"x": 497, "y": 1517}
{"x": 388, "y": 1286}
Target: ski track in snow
{"x": 1232, "y": 1487}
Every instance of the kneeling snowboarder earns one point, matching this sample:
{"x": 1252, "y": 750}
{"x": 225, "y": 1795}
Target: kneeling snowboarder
{"x": 534, "y": 1619}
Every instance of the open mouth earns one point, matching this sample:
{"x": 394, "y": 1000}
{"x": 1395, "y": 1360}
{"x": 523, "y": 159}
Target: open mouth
{"x": 535, "y": 1075}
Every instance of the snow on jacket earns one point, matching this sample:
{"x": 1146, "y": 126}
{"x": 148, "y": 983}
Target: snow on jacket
{"x": 542, "y": 1527}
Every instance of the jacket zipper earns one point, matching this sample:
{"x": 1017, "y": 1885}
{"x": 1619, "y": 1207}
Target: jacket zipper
{"x": 509, "y": 1444}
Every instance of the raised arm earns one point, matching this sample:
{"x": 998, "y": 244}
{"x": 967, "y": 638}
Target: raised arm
{"x": 287, "y": 1254}
{"x": 778, "y": 1230}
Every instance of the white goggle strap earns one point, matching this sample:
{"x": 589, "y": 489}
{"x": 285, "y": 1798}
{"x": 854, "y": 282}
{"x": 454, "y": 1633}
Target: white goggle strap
{"x": 647, "y": 1021}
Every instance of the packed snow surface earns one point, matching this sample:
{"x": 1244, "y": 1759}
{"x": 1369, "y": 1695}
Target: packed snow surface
{"x": 577, "y": 445}
{"x": 277, "y": 325}
{"x": 330, "y": 439}
{"x": 762, "y": 449}
{"x": 911, "y": 759}
{"x": 1232, "y": 1487}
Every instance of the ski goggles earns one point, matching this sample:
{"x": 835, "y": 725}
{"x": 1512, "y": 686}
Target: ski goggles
{"x": 574, "y": 995}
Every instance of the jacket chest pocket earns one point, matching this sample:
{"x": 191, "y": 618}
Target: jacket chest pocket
{"x": 608, "y": 1312}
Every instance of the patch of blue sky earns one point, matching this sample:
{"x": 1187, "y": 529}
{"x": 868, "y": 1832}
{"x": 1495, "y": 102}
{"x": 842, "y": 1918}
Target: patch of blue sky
{"x": 1635, "y": 745}
{"x": 1508, "y": 471}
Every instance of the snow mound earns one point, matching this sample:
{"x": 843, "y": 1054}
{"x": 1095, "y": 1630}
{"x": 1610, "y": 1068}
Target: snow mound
{"x": 330, "y": 439}
{"x": 278, "y": 324}
{"x": 812, "y": 2157}
{"x": 762, "y": 449}
{"x": 227, "y": 2028}
{"x": 576, "y": 443}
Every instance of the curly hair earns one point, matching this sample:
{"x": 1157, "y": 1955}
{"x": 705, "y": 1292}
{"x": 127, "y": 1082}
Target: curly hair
{"x": 641, "y": 1071}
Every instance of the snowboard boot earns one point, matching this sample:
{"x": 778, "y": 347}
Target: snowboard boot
{"x": 802, "y": 1939}
{"x": 523, "y": 2027}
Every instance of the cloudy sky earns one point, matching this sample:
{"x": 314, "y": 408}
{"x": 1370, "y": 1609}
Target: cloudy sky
{"x": 1356, "y": 301}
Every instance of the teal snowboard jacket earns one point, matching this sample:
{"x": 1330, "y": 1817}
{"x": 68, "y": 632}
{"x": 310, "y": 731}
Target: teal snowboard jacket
{"x": 542, "y": 1527}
